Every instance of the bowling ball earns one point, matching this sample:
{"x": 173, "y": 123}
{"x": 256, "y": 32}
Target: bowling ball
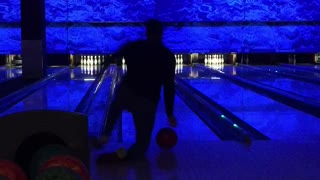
{"x": 11, "y": 170}
{"x": 166, "y": 138}
{"x": 44, "y": 154}
{"x": 59, "y": 173}
{"x": 69, "y": 162}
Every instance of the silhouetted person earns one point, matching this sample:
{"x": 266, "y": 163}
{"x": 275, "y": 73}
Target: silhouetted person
{"x": 150, "y": 66}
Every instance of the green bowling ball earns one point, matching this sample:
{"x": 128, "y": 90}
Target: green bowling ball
{"x": 44, "y": 154}
{"x": 58, "y": 173}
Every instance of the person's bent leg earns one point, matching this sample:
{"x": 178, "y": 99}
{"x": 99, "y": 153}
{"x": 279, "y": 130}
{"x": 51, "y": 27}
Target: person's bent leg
{"x": 113, "y": 115}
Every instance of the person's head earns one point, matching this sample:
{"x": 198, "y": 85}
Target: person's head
{"x": 154, "y": 30}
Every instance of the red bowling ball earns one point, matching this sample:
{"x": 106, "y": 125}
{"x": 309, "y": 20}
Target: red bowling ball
{"x": 11, "y": 170}
{"x": 166, "y": 138}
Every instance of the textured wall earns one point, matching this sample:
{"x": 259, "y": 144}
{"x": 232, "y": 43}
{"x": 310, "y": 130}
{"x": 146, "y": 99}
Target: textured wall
{"x": 101, "y": 26}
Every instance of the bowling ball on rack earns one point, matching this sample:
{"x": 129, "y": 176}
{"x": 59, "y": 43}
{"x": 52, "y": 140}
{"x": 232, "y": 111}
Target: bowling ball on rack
{"x": 69, "y": 162}
{"x": 44, "y": 154}
{"x": 58, "y": 173}
{"x": 166, "y": 138}
{"x": 11, "y": 170}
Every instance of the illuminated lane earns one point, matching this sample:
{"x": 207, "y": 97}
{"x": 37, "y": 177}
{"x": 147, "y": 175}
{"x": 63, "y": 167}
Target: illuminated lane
{"x": 290, "y": 71}
{"x": 7, "y": 73}
{"x": 305, "y": 67}
{"x": 270, "y": 117}
{"x": 305, "y": 89}
{"x": 62, "y": 93}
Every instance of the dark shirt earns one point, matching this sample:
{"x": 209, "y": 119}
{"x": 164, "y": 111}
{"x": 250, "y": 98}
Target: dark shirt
{"x": 150, "y": 65}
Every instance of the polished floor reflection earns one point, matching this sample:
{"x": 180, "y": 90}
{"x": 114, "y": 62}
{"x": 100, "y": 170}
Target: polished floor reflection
{"x": 292, "y": 152}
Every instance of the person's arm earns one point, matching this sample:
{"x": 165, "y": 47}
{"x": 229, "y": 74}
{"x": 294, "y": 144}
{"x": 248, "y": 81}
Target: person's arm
{"x": 169, "y": 87}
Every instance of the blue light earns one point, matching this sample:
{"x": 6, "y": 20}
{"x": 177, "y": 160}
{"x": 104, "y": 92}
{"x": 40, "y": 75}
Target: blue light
{"x": 233, "y": 37}
{"x": 168, "y": 10}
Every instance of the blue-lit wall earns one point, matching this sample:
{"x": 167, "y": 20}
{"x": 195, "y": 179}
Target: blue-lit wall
{"x": 101, "y": 26}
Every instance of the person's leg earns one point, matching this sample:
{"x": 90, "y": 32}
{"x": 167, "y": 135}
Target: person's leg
{"x": 144, "y": 119}
{"x": 114, "y": 113}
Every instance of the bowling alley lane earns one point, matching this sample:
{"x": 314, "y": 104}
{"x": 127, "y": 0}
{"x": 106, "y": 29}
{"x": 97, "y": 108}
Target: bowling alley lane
{"x": 308, "y": 90}
{"x": 7, "y": 73}
{"x": 307, "y": 67}
{"x": 190, "y": 126}
{"x": 275, "y": 120}
{"x": 286, "y": 70}
{"x": 62, "y": 93}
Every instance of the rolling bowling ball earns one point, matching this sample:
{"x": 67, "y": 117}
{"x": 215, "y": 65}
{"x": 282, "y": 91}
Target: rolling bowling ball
{"x": 69, "y": 162}
{"x": 44, "y": 154}
{"x": 11, "y": 170}
{"x": 166, "y": 138}
{"x": 59, "y": 173}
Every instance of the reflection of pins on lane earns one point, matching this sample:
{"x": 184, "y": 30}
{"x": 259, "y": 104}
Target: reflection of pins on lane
{"x": 178, "y": 69}
{"x": 91, "y": 70}
{"x": 84, "y": 69}
{"x": 124, "y": 68}
{"x": 95, "y": 69}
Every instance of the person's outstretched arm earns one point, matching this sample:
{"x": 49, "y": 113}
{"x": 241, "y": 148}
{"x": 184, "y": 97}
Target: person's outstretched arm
{"x": 169, "y": 89}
